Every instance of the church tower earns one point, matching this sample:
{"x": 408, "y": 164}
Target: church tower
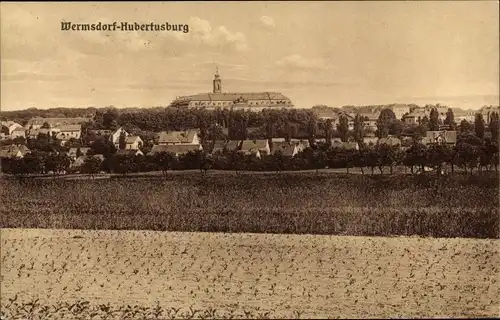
{"x": 217, "y": 82}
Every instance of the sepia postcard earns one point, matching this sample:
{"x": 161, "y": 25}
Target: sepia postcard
{"x": 249, "y": 160}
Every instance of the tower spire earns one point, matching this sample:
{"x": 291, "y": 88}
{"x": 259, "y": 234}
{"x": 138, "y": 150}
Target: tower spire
{"x": 217, "y": 81}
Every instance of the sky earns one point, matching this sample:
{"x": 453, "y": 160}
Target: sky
{"x": 329, "y": 53}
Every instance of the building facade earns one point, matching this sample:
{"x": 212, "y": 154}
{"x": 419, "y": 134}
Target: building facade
{"x": 254, "y": 101}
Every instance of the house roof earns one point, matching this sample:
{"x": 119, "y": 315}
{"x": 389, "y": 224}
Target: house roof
{"x": 20, "y": 129}
{"x": 8, "y": 123}
{"x": 176, "y": 149}
{"x": 177, "y": 136}
{"x": 57, "y": 121}
{"x": 254, "y": 144}
{"x": 233, "y": 145}
{"x": 218, "y": 145}
{"x": 304, "y": 143}
{"x": 132, "y": 139}
{"x": 232, "y": 96}
{"x": 287, "y": 149}
{"x": 70, "y": 127}
{"x": 13, "y": 151}
{"x": 448, "y": 136}
{"x": 372, "y": 116}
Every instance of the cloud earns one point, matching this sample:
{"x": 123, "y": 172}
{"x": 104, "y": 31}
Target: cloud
{"x": 30, "y": 76}
{"x": 221, "y": 65}
{"x": 268, "y": 22}
{"x": 298, "y": 62}
{"x": 202, "y": 33}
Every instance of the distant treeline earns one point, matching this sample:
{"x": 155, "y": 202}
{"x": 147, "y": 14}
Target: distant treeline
{"x": 220, "y": 124}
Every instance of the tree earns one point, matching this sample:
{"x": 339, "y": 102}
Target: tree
{"x": 396, "y": 128}
{"x": 328, "y": 131}
{"x": 434, "y": 120}
{"x": 494, "y": 126}
{"x": 122, "y": 142}
{"x": 316, "y": 158}
{"x": 387, "y": 156}
{"x": 206, "y": 162}
{"x": 343, "y": 128}
{"x": 165, "y": 161}
{"x": 109, "y": 118}
{"x": 371, "y": 158}
{"x": 102, "y": 146}
{"x": 467, "y": 155}
{"x": 311, "y": 130}
{"x": 387, "y": 116}
{"x": 384, "y": 121}
{"x": 91, "y": 165}
{"x": 78, "y": 152}
{"x": 123, "y": 164}
{"x": 416, "y": 155}
{"x": 46, "y": 125}
{"x": 359, "y": 159}
{"x": 450, "y": 119}
{"x": 464, "y": 126}
{"x": 358, "y": 129}
{"x": 436, "y": 156}
{"x": 479, "y": 125}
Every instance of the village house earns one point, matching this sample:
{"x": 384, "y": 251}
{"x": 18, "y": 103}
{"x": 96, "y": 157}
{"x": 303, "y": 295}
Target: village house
{"x": 9, "y": 126}
{"x": 400, "y": 110}
{"x": 67, "y": 132}
{"x": 370, "y": 120}
{"x": 287, "y": 149}
{"x": 38, "y": 122}
{"x": 133, "y": 142}
{"x": 115, "y": 136}
{"x": 18, "y": 133}
{"x": 487, "y": 111}
{"x": 177, "y": 150}
{"x": 303, "y": 144}
{"x": 73, "y": 152}
{"x": 466, "y": 115}
{"x": 233, "y": 145}
{"x": 218, "y": 146}
{"x": 440, "y": 137}
{"x": 78, "y": 162}
{"x": 13, "y": 151}
{"x": 189, "y": 137}
{"x": 34, "y": 133}
{"x": 255, "y": 147}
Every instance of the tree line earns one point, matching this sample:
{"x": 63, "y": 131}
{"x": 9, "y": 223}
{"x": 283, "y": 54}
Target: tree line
{"x": 469, "y": 154}
{"x": 221, "y": 124}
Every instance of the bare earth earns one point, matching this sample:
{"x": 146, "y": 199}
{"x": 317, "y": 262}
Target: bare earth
{"x": 316, "y": 276}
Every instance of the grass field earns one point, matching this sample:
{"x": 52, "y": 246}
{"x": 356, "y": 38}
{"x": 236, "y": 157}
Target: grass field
{"x": 97, "y": 274}
{"x": 298, "y": 203}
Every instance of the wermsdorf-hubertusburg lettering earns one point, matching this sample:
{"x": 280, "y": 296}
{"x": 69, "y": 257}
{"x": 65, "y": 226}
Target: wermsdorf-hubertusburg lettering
{"x": 124, "y": 26}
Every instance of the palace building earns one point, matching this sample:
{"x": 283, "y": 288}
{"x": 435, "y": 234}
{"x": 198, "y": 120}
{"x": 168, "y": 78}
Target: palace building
{"x": 254, "y": 101}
